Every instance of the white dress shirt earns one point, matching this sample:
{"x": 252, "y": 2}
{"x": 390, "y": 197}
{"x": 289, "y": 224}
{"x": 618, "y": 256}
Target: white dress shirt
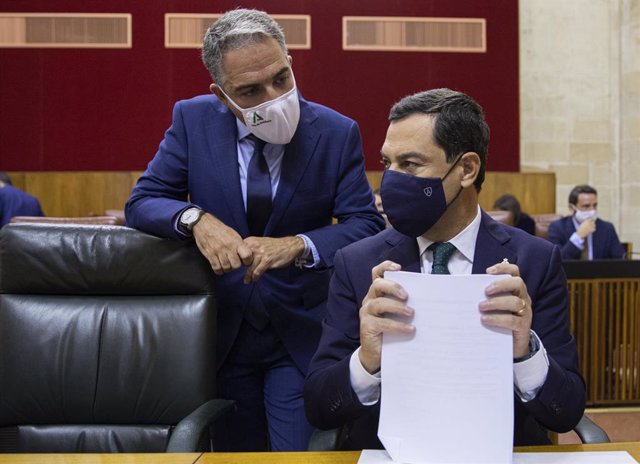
{"x": 529, "y": 375}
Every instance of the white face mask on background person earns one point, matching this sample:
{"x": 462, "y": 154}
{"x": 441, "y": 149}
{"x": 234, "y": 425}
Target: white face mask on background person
{"x": 274, "y": 121}
{"x": 582, "y": 216}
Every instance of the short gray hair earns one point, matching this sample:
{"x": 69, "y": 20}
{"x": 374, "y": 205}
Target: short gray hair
{"x": 235, "y": 29}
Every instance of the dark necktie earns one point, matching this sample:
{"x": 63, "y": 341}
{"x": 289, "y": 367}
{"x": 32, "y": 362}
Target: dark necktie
{"x": 258, "y": 190}
{"x": 584, "y": 254}
{"x": 442, "y": 251}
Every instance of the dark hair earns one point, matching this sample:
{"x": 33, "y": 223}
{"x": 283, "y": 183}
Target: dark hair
{"x": 577, "y": 190}
{"x": 508, "y": 202}
{"x": 4, "y": 178}
{"x": 459, "y": 125}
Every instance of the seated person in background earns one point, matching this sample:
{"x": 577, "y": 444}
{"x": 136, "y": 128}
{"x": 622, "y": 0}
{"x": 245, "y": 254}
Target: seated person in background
{"x": 583, "y": 235}
{"x": 15, "y": 202}
{"x": 437, "y": 141}
{"x": 520, "y": 220}
{"x": 378, "y": 198}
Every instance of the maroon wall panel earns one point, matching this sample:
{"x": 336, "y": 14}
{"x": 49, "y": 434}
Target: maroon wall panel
{"x": 74, "y": 109}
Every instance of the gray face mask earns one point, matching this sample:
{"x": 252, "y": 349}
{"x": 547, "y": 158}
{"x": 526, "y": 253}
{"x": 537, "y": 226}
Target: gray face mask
{"x": 582, "y": 216}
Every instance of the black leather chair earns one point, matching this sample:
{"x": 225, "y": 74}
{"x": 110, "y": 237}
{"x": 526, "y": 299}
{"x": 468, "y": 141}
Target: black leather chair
{"x": 107, "y": 341}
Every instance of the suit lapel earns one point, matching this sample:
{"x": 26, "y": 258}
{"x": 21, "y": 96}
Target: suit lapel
{"x": 490, "y": 246}
{"x": 402, "y": 250}
{"x": 297, "y": 155}
{"x": 597, "y": 242}
{"x": 222, "y": 140}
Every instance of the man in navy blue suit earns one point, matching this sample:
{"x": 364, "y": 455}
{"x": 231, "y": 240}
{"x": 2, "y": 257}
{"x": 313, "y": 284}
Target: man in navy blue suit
{"x": 256, "y": 174}
{"x": 583, "y": 235}
{"x": 435, "y": 157}
{"x": 15, "y": 202}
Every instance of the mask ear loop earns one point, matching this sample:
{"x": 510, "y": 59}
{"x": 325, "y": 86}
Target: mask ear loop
{"x": 448, "y": 172}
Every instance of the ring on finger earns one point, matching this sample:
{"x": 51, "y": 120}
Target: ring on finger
{"x": 522, "y": 308}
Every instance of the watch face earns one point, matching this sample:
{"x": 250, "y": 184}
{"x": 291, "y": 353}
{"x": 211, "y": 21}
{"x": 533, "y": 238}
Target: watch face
{"x": 189, "y": 215}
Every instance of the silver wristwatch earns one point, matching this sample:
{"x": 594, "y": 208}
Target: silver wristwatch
{"x": 190, "y": 218}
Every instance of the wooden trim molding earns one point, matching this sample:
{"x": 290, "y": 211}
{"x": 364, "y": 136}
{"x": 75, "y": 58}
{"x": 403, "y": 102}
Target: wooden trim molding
{"x": 409, "y": 34}
{"x": 185, "y": 30}
{"x": 65, "y": 30}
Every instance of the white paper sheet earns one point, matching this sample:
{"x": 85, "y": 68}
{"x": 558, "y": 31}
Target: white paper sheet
{"x": 590, "y": 457}
{"x": 450, "y": 384}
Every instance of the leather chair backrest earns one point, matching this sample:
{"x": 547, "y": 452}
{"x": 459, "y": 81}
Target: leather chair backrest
{"x": 505, "y": 217}
{"x": 107, "y": 338}
{"x": 542, "y": 222}
{"x": 104, "y": 220}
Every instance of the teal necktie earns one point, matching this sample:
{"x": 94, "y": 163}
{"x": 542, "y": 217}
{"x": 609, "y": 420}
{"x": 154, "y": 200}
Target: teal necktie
{"x": 442, "y": 251}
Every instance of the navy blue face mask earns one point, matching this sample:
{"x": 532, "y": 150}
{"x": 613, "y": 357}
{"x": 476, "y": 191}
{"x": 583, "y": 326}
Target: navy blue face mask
{"x": 414, "y": 204}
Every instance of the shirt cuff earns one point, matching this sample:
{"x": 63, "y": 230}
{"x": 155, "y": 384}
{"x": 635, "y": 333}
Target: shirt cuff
{"x": 176, "y": 224}
{"x": 529, "y": 375}
{"x": 365, "y": 385}
{"x": 310, "y": 256}
{"x": 577, "y": 241}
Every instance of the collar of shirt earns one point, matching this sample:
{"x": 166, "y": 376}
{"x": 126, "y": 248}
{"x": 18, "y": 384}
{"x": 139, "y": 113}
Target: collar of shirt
{"x": 465, "y": 242}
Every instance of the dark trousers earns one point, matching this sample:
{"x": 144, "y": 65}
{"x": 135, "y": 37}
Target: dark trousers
{"x": 267, "y": 386}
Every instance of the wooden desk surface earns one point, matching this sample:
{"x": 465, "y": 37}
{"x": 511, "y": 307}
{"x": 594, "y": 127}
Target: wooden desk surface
{"x": 335, "y": 457}
{"x": 351, "y": 457}
{"x": 115, "y": 458}
{"x": 633, "y": 448}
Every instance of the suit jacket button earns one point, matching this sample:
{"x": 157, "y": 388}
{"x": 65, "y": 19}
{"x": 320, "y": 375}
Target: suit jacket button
{"x": 555, "y": 407}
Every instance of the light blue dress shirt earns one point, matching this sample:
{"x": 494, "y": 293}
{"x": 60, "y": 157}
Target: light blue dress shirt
{"x": 273, "y": 155}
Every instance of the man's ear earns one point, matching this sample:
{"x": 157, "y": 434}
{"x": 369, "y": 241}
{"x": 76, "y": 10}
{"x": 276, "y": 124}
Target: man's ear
{"x": 470, "y": 163}
{"x": 217, "y": 92}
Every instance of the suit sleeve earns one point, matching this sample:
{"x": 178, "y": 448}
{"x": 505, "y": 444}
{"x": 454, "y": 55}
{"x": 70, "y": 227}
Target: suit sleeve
{"x": 558, "y": 236}
{"x": 615, "y": 249}
{"x": 560, "y": 402}
{"x": 330, "y": 401}
{"x": 161, "y": 193}
{"x": 354, "y": 205}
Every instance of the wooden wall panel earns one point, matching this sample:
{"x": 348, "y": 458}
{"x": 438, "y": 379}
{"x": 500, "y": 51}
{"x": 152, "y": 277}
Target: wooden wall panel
{"x": 84, "y": 193}
{"x": 536, "y": 191}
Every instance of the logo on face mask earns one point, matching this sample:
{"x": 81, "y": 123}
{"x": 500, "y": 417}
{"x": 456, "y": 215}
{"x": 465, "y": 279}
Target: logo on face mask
{"x": 428, "y": 191}
{"x": 257, "y": 119}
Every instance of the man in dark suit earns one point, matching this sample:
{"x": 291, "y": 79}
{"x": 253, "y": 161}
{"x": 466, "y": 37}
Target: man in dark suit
{"x": 255, "y": 174}
{"x": 583, "y": 235}
{"x": 15, "y": 202}
{"x": 435, "y": 158}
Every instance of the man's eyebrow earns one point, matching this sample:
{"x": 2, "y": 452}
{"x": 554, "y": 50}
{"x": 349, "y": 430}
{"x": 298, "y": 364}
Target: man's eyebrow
{"x": 282, "y": 72}
{"x": 409, "y": 154}
{"x": 254, "y": 85}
